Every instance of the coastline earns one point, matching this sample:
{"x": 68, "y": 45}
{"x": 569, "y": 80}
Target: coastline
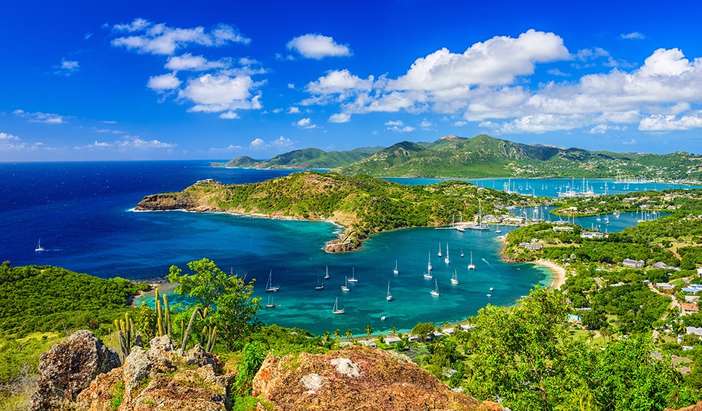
{"x": 558, "y": 272}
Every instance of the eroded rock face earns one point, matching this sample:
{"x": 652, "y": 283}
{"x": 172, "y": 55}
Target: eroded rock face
{"x": 69, "y": 367}
{"x": 356, "y": 378}
{"x": 160, "y": 378}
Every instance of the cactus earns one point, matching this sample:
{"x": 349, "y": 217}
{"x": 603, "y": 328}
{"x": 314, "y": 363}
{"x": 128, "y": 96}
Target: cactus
{"x": 186, "y": 332}
{"x": 159, "y": 323}
{"x": 125, "y": 332}
{"x": 211, "y": 334}
{"x": 167, "y": 315}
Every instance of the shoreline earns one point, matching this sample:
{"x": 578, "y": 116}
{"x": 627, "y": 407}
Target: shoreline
{"x": 558, "y": 272}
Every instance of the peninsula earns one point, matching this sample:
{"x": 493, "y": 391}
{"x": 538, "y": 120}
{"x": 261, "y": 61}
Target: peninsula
{"x": 362, "y": 205}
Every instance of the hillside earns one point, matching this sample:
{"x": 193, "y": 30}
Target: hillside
{"x": 305, "y": 158}
{"x": 485, "y": 156}
{"x": 363, "y": 205}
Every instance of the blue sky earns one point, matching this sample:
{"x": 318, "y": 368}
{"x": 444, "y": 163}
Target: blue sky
{"x": 214, "y": 80}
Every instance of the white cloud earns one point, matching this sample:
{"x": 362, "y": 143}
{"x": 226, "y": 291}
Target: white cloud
{"x": 67, "y": 67}
{"x": 147, "y": 37}
{"x": 398, "y": 126}
{"x": 340, "y": 118}
{"x": 229, "y": 115}
{"x": 293, "y": 110}
{"x": 257, "y": 143}
{"x": 163, "y": 82}
{"x": 39, "y": 117}
{"x": 188, "y": 62}
{"x": 10, "y": 142}
{"x": 276, "y": 145}
{"x": 291, "y": 86}
{"x": 4, "y": 137}
{"x": 214, "y": 93}
{"x": 634, "y": 35}
{"x": 671, "y": 122}
{"x": 425, "y": 124}
{"x": 282, "y": 142}
{"x": 317, "y": 46}
{"x": 557, "y": 72}
{"x": 338, "y": 81}
{"x": 305, "y": 123}
{"x": 128, "y": 143}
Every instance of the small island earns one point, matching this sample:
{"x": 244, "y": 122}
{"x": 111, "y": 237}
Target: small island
{"x": 362, "y": 205}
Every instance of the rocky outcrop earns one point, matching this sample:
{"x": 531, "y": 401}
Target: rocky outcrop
{"x": 696, "y": 407}
{"x": 160, "y": 378}
{"x": 355, "y": 378}
{"x": 68, "y": 368}
{"x": 166, "y": 201}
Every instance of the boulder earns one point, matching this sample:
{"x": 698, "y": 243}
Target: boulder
{"x": 69, "y": 367}
{"x": 357, "y": 378}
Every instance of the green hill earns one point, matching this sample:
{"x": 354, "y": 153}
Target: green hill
{"x": 305, "y": 158}
{"x": 485, "y": 156}
{"x": 363, "y": 205}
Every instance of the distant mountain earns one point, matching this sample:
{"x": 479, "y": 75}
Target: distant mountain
{"x": 305, "y": 158}
{"x": 485, "y": 156}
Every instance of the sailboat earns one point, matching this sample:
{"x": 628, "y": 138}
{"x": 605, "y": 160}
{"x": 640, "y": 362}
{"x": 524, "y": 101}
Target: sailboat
{"x": 320, "y": 284}
{"x": 353, "y": 278}
{"x": 427, "y": 275}
{"x": 336, "y": 310}
{"x": 345, "y": 287}
{"x": 438, "y": 253}
{"x": 435, "y": 291}
{"x": 498, "y": 230}
{"x": 447, "y": 260}
{"x": 270, "y": 288}
{"x": 270, "y": 303}
{"x": 471, "y": 266}
{"x": 454, "y": 278}
{"x": 462, "y": 253}
{"x": 326, "y": 273}
{"x": 396, "y": 271}
{"x": 39, "y": 248}
{"x": 388, "y": 296}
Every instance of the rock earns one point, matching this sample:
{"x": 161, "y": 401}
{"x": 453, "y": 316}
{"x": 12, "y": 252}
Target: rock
{"x": 357, "y": 378}
{"x": 696, "y": 407}
{"x": 69, "y": 367}
{"x": 161, "y": 379}
{"x": 135, "y": 370}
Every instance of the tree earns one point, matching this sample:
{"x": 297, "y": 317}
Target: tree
{"x": 228, "y": 297}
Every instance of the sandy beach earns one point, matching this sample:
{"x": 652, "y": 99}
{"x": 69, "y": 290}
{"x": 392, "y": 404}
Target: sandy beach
{"x": 559, "y": 273}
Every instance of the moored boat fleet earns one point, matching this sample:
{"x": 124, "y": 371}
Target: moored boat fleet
{"x": 346, "y": 286}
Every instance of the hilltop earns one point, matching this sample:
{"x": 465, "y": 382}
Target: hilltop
{"x": 363, "y": 205}
{"x": 486, "y": 156}
{"x": 304, "y": 158}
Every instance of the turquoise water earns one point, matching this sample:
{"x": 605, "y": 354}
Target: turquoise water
{"x": 550, "y": 187}
{"x": 80, "y": 213}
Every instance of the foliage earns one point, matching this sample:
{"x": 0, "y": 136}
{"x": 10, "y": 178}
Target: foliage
{"x": 44, "y": 298}
{"x": 252, "y": 357}
{"x": 228, "y": 298}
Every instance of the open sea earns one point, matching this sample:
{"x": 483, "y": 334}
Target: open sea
{"x": 80, "y": 212}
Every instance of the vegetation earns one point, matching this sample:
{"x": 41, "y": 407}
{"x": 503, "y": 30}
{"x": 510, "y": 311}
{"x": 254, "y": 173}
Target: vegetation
{"x": 304, "y": 158}
{"x": 364, "y": 205}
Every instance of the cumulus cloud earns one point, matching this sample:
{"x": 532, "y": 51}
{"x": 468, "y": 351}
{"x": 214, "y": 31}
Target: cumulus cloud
{"x": 144, "y": 36}
{"x": 128, "y": 143}
{"x": 163, "y": 82}
{"x": 39, "y": 117}
{"x": 67, "y": 67}
{"x": 305, "y": 123}
{"x": 11, "y": 142}
{"x": 398, "y": 126}
{"x": 317, "y": 46}
{"x": 634, "y": 35}
{"x": 216, "y": 93}
{"x": 257, "y": 143}
{"x": 340, "y": 118}
{"x": 671, "y": 122}
{"x": 277, "y": 144}
{"x": 189, "y": 62}
{"x": 339, "y": 81}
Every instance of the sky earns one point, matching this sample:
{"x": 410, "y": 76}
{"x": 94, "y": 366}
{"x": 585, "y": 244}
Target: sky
{"x": 135, "y": 80}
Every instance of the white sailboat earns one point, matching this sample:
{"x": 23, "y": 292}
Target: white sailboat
{"x": 39, "y": 248}
{"x": 427, "y": 275}
{"x": 345, "y": 287}
{"x": 326, "y": 273}
{"x": 270, "y": 288}
{"x": 462, "y": 253}
{"x": 336, "y": 310}
{"x": 447, "y": 260}
{"x": 471, "y": 266}
{"x": 454, "y": 278}
{"x": 438, "y": 253}
{"x": 320, "y": 284}
{"x": 498, "y": 230}
{"x": 388, "y": 296}
{"x": 353, "y": 278}
{"x": 396, "y": 271}
{"x": 270, "y": 303}
{"x": 435, "y": 291}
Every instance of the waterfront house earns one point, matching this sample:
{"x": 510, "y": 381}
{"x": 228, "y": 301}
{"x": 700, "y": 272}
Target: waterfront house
{"x": 694, "y": 331}
{"x": 692, "y": 298}
{"x": 592, "y": 235}
{"x": 392, "y": 339}
{"x": 689, "y": 308}
{"x": 448, "y": 330}
{"x": 467, "y": 327}
{"x": 663, "y": 266}
{"x": 532, "y": 246}
{"x": 562, "y": 228}
{"x": 665, "y": 286}
{"x": 628, "y": 262}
